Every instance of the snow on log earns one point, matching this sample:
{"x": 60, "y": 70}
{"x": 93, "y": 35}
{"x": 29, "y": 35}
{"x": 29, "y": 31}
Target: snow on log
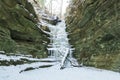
{"x": 44, "y": 30}
{"x": 64, "y": 58}
{"x": 2, "y": 52}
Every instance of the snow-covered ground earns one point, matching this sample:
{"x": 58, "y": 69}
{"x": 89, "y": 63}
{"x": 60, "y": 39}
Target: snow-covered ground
{"x": 54, "y": 73}
{"x": 20, "y": 56}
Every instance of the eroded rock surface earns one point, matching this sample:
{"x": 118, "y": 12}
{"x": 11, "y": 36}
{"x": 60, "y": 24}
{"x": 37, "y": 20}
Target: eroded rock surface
{"x": 94, "y": 27}
{"x": 18, "y": 30}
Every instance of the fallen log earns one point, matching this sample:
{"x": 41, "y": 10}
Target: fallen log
{"x": 65, "y": 58}
{"x": 33, "y": 68}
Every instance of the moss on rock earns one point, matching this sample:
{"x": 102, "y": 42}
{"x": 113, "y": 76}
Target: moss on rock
{"x": 18, "y": 30}
{"x": 94, "y": 31}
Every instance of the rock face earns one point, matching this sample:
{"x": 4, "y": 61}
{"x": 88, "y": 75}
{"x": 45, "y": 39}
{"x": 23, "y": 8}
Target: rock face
{"x": 18, "y": 30}
{"x": 94, "y": 27}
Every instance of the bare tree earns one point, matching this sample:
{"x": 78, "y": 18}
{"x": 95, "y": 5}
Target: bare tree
{"x": 51, "y": 6}
{"x": 61, "y": 7}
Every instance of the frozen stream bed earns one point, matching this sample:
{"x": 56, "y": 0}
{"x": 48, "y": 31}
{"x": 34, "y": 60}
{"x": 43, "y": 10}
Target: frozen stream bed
{"x": 54, "y": 73}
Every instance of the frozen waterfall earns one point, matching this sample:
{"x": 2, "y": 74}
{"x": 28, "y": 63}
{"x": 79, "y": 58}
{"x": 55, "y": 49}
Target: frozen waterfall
{"x": 59, "y": 43}
{"x": 59, "y": 47}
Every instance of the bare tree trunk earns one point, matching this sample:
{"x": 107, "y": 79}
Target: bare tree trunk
{"x": 51, "y": 6}
{"x": 61, "y": 8}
